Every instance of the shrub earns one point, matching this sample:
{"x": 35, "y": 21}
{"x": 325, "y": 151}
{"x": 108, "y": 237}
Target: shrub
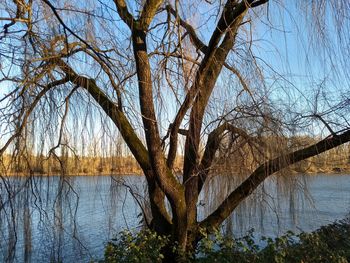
{"x": 328, "y": 244}
{"x": 144, "y": 246}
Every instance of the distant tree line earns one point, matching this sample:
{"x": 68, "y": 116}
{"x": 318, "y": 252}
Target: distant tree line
{"x": 232, "y": 158}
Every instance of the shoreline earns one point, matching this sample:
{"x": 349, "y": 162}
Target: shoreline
{"x": 69, "y": 175}
{"x": 292, "y": 172}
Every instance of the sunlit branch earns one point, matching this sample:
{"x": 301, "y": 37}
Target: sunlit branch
{"x": 205, "y": 81}
{"x": 166, "y": 179}
{"x": 30, "y": 110}
{"x": 63, "y": 120}
{"x": 208, "y": 71}
{"x": 189, "y": 28}
{"x": 213, "y": 143}
{"x": 21, "y": 9}
{"x": 112, "y": 110}
{"x": 124, "y": 13}
{"x": 265, "y": 170}
{"x": 148, "y": 12}
{"x": 54, "y": 10}
{"x": 107, "y": 70}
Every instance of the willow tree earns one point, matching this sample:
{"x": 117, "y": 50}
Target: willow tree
{"x": 182, "y": 79}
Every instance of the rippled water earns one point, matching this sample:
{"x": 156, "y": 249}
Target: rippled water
{"x": 71, "y": 220}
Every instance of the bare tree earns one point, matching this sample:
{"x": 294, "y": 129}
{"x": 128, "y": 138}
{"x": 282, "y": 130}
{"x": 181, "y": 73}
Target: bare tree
{"x": 193, "y": 74}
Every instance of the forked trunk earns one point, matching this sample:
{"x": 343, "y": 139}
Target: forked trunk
{"x": 176, "y": 252}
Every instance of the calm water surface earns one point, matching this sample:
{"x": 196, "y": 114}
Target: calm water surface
{"x": 71, "y": 220}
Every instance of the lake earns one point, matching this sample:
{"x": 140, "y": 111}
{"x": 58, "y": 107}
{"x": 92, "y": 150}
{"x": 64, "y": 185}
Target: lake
{"x": 72, "y": 219}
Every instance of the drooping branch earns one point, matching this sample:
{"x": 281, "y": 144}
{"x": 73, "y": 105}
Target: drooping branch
{"x": 213, "y": 143}
{"x": 265, "y": 170}
{"x": 190, "y": 30}
{"x": 112, "y": 110}
{"x": 63, "y": 121}
{"x": 128, "y": 133}
{"x": 205, "y": 82}
{"x": 325, "y": 123}
{"x": 207, "y": 74}
{"x": 30, "y": 110}
{"x": 241, "y": 79}
{"x": 67, "y": 28}
{"x": 110, "y": 75}
{"x": 21, "y": 9}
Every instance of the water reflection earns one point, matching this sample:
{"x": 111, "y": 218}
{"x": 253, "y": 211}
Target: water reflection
{"x": 63, "y": 218}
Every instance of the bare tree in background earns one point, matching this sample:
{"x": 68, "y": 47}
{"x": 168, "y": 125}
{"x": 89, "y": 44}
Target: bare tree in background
{"x": 172, "y": 74}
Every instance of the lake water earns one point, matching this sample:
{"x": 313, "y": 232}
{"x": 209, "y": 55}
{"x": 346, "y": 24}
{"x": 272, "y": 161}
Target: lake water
{"x": 71, "y": 220}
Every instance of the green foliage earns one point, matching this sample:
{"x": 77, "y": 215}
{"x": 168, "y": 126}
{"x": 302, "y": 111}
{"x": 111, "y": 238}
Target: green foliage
{"x": 328, "y": 244}
{"x": 217, "y": 248}
{"x": 144, "y": 246}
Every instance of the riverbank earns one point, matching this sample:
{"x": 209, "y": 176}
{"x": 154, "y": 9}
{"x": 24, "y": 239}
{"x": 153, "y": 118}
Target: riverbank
{"x": 333, "y": 162}
{"x": 330, "y": 243}
{"x": 139, "y": 173}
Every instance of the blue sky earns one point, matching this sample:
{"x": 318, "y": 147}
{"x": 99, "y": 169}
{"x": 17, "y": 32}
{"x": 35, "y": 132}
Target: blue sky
{"x": 281, "y": 40}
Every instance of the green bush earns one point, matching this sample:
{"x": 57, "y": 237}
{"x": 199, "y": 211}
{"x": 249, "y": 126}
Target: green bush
{"x": 142, "y": 247}
{"x": 328, "y": 244}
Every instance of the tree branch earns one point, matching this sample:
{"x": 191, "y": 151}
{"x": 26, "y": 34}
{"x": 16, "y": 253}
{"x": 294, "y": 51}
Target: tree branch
{"x": 165, "y": 178}
{"x": 128, "y": 133}
{"x": 148, "y": 12}
{"x": 213, "y": 143}
{"x": 324, "y": 122}
{"x": 30, "y": 110}
{"x": 54, "y": 10}
{"x": 190, "y": 30}
{"x": 21, "y": 9}
{"x": 112, "y": 110}
{"x": 265, "y": 170}
{"x": 205, "y": 81}
{"x": 209, "y": 69}
{"x": 111, "y": 78}
{"x": 124, "y": 13}
{"x": 258, "y": 3}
